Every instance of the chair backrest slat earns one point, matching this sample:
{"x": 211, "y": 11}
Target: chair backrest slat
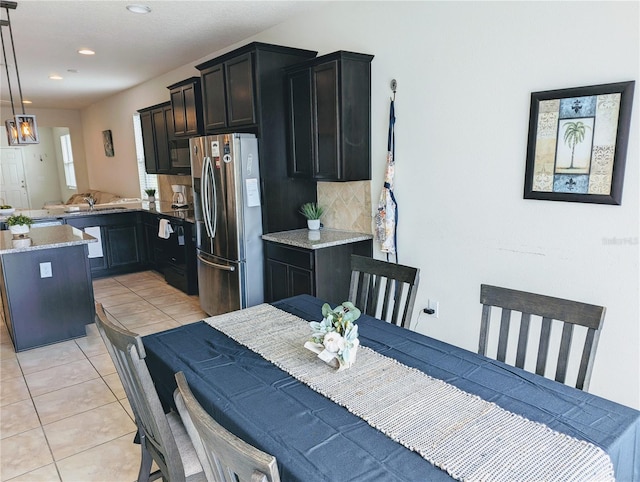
{"x": 548, "y": 308}
{"x": 228, "y": 457}
{"x": 543, "y": 346}
{"x": 523, "y": 339}
{"x": 396, "y": 283}
{"x": 505, "y": 322}
{"x": 484, "y": 330}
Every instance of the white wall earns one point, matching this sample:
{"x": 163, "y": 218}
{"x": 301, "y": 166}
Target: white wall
{"x": 41, "y": 169}
{"x": 465, "y": 73}
{"x": 119, "y": 174}
{"x": 72, "y": 120}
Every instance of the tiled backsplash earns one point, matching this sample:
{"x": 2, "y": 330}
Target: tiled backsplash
{"x": 347, "y": 205}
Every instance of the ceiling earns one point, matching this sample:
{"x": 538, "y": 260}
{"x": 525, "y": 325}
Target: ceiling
{"x": 130, "y": 48}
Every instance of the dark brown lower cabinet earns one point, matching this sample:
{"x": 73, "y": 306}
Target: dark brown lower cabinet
{"x": 122, "y": 241}
{"x": 174, "y": 257}
{"x": 323, "y": 272}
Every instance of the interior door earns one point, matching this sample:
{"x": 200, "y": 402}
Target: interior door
{"x": 13, "y": 189}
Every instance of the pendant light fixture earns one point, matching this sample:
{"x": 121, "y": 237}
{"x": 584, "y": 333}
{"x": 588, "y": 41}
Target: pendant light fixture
{"x": 22, "y": 128}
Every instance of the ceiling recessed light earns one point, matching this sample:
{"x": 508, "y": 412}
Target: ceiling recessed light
{"x": 25, "y": 101}
{"x": 55, "y": 77}
{"x": 136, "y": 8}
{"x": 86, "y": 52}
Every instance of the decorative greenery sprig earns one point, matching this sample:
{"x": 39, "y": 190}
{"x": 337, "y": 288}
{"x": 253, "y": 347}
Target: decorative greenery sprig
{"x": 150, "y": 192}
{"x": 18, "y": 219}
{"x": 311, "y": 210}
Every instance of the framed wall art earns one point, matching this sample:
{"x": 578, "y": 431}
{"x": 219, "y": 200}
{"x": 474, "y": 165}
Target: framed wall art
{"x": 578, "y": 143}
{"x": 107, "y": 140}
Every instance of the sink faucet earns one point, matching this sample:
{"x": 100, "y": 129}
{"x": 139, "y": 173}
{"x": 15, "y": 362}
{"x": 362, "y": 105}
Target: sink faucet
{"x": 91, "y": 201}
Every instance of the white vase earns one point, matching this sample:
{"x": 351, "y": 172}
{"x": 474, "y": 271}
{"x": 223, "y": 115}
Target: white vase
{"x": 152, "y": 199}
{"x": 19, "y": 229}
{"x": 313, "y": 224}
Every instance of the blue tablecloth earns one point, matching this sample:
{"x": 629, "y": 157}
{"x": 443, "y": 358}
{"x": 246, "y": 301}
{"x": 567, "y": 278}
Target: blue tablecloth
{"x": 314, "y": 439}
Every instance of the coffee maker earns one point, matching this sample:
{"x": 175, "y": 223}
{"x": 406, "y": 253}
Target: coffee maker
{"x": 179, "y": 200}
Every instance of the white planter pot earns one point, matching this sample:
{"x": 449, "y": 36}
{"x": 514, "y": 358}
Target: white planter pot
{"x": 19, "y": 229}
{"x": 313, "y": 224}
{"x": 152, "y": 199}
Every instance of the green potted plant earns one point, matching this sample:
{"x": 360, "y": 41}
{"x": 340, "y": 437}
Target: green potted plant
{"x": 151, "y": 194}
{"x": 313, "y": 212}
{"x": 19, "y": 223}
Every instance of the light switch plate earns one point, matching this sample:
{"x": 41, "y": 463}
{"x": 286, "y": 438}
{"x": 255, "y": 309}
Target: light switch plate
{"x": 45, "y": 270}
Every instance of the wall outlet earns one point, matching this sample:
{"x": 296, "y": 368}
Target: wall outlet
{"x": 45, "y": 270}
{"x": 435, "y": 306}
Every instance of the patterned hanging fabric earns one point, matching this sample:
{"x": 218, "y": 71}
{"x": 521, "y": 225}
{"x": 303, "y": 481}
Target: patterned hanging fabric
{"x": 386, "y": 218}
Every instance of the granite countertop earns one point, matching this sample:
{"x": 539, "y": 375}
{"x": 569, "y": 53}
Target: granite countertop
{"x": 324, "y": 238}
{"x": 43, "y": 238}
{"x": 163, "y": 208}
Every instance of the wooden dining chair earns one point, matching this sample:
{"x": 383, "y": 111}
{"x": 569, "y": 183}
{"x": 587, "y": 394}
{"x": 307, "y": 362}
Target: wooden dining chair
{"x": 224, "y": 457}
{"x": 546, "y": 309}
{"x": 163, "y": 437}
{"x": 384, "y": 290}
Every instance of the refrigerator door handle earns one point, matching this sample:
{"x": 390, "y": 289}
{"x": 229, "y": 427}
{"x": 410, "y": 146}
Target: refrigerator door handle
{"x": 203, "y": 194}
{"x": 205, "y": 180}
{"x": 216, "y": 265}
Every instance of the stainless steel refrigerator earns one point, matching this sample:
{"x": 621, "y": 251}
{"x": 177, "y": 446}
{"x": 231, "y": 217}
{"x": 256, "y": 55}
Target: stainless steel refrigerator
{"x": 226, "y": 188}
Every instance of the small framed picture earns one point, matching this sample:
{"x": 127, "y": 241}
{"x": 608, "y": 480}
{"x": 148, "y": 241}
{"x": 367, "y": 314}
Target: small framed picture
{"x": 578, "y": 143}
{"x": 108, "y": 143}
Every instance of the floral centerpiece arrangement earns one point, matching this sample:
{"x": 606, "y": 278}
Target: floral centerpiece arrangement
{"x": 335, "y": 338}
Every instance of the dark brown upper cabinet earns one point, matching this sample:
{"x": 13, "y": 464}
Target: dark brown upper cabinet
{"x": 329, "y": 117}
{"x": 157, "y": 127}
{"x": 229, "y": 93}
{"x": 186, "y": 102}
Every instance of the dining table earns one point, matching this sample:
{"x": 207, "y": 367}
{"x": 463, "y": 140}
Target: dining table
{"x": 314, "y": 438}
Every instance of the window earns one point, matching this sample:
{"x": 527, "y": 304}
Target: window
{"x": 67, "y": 161}
{"x": 147, "y": 181}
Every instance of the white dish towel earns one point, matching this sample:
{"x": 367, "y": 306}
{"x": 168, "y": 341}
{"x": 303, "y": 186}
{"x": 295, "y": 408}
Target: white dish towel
{"x": 95, "y": 249}
{"x": 164, "y": 229}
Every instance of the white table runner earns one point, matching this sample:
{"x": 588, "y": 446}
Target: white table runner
{"x": 468, "y": 437}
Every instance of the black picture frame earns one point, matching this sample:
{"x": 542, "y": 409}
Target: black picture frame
{"x": 577, "y": 145}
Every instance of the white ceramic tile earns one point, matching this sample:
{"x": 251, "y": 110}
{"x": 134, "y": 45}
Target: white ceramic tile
{"x": 88, "y": 429}
{"x": 114, "y": 383}
{"x": 61, "y": 376}
{"x": 66, "y": 402}
{"x": 92, "y": 344}
{"x": 136, "y": 320}
{"x": 103, "y": 364}
{"x": 48, "y": 473}
{"x": 9, "y": 368}
{"x": 129, "y": 308}
{"x": 13, "y": 390}
{"x": 49, "y": 356}
{"x": 114, "y": 300}
{"x": 17, "y": 418}
{"x": 6, "y": 350}
{"x": 117, "y": 460}
{"x": 23, "y": 453}
{"x": 157, "y": 327}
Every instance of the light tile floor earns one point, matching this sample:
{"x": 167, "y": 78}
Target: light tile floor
{"x": 63, "y": 412}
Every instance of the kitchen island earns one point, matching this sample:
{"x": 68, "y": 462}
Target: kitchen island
{"x": 45, "y": 285}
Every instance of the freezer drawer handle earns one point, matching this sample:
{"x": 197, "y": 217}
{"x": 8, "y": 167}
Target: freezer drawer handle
{"x": 216, "y": 265}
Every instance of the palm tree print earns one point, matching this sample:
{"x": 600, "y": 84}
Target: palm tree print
{"x": 574, "y": 134}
